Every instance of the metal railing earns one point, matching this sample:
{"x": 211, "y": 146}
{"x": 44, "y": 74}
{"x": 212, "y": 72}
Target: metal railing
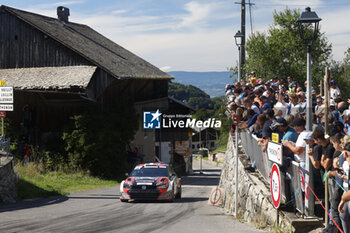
{"x": 290, "y": 177}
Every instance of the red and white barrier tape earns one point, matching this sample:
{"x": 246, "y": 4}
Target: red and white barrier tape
{"x": 302, "y": 177}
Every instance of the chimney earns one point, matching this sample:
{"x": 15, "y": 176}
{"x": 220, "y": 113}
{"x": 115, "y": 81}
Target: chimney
{"x": 63, "y": 13}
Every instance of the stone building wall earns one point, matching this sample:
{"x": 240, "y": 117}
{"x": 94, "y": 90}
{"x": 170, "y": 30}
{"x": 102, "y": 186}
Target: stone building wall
{"x": 254, "y": 198}
{"x": 8, "y": 179}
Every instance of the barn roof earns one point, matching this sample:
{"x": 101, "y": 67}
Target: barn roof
{"x": 54, "y": 78}
{"x": 93, "y": 46}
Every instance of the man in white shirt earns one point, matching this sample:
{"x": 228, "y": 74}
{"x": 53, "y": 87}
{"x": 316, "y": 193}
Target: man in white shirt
{"x": 299, "y": 148}
{"x": 334, "y": 91}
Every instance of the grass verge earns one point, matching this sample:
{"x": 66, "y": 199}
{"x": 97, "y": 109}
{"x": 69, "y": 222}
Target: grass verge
{"x": 35, "y": 181}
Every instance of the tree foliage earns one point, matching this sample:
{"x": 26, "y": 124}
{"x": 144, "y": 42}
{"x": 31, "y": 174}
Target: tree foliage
{"x": 281, "y": 52}
{"x": 191, "y": 95}
{"x": 340, "y": 71}
{"x": 97, "y": 141}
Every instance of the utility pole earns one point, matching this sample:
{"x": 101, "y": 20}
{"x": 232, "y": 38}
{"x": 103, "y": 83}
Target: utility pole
{"x": 243, "y": 32}
{"x": 242, "y": 50}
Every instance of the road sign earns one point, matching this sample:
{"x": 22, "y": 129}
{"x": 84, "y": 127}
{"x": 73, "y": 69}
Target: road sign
{"x": 274, "y": 137}
{"x": 6, "y": 107}
{"x": 235, "y": 119}
{"x": 6, "y": 95}
{"x": 2, "y": 114}
{"x": 275, "y": 186}
{"x": 274, "y": 152}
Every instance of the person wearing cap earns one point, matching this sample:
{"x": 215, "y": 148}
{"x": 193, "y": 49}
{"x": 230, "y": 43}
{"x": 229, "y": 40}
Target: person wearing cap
{"x": 315, "y": 154}
{"x": 334, "y": 91}
{"x": 252, "y": 79}
{"x": 346, "y": 120}
{"x": 266, "y": 131}
{"x": 265, "y": 104}
{"x": 270, "y": 93}
{"x": 298, "y": 148}
{"x": 288, "y": 133}
{"x": 319, "y": 110}
{"x": 249, "y": 104}
{"x": 258, "y": 92}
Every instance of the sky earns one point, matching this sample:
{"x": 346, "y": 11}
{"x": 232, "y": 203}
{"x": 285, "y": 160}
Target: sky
{"x": 182, "y": 35}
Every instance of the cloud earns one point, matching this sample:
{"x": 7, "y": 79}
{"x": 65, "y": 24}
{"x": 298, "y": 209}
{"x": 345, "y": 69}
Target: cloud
{"x": 118, "y": 12}
{"x": 198, "y": 51}
{"x": 199, "y": 37}
{"x": 197, "y": 14}
{"x": 56, "y": 4}
{"x": 166, "y": 68}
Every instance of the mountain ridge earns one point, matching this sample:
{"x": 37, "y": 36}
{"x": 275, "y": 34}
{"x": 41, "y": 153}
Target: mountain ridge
{"x": 213, "y": 82}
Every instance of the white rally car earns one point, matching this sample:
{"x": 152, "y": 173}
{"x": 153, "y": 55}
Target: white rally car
{"x": 151, "y": 181}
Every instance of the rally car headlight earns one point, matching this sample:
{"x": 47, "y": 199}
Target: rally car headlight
{"x": 128, "y": 183}
{"x": 162, "y": 183}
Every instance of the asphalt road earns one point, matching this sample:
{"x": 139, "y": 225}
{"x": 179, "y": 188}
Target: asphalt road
{"x": 101, "y": 211}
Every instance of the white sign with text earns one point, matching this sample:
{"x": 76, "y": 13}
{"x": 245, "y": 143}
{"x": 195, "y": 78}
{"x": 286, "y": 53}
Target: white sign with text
{"x": 274, "y": 152}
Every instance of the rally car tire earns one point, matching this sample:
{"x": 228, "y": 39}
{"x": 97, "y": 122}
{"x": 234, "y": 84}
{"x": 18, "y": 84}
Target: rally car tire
{"x": 123, "y": 200}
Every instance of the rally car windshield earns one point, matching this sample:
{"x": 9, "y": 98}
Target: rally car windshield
{"x": 150, "y": 172}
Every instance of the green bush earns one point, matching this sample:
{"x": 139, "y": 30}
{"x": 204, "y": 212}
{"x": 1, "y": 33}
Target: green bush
{"x": 97, "y": 142}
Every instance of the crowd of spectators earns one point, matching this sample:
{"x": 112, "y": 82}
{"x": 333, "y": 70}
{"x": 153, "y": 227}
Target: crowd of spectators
{"x": 278, "y": 106}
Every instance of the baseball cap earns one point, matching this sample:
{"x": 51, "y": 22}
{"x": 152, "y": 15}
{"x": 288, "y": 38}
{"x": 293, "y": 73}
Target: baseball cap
{"x": 308, "y": 136}
{"x": 298, "y": 122}
{"x": 347, "y": 146}
{"x": 331, "y": 103}
{"x": 269, "y": 112}
{"x": 280, "y": 121}
{"x": 333, "y": 82}
{"x": 346, "y": 112}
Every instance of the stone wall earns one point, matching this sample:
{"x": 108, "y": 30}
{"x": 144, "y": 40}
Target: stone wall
{"x": 254, "y": 198}
{"x": 8, "y": 180}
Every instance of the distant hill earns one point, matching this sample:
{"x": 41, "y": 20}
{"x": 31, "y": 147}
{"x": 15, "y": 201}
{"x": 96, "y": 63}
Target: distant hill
{"x": 212, "y": 83}
{"x": 193, "y": 96}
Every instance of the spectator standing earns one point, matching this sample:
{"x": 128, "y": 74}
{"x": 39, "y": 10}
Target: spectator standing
{"x": 298, "y": 148}
{"x": 334, "y": 91}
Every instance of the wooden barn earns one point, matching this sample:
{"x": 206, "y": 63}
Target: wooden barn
{"x": 58, "y": 67}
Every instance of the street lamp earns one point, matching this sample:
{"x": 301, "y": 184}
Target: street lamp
{"x": 308, "y": 28}
{"x": 239, "y": 39}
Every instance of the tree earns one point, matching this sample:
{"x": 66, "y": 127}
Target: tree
{"x": 97, "y": 141}
{"x": 191, "y": 95}
{"x": 340, "y": 71}
{"x": 281, "y": 52}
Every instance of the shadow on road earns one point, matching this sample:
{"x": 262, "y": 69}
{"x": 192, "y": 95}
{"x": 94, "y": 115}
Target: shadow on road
{"x": 96, "y": 197}
{"x": 27, "y": 204}
{"x": 192, "y": 199}
{"x": 201, "y": 180}
{"x": 182, "y": 200}
{"x": 208, "y": 170}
